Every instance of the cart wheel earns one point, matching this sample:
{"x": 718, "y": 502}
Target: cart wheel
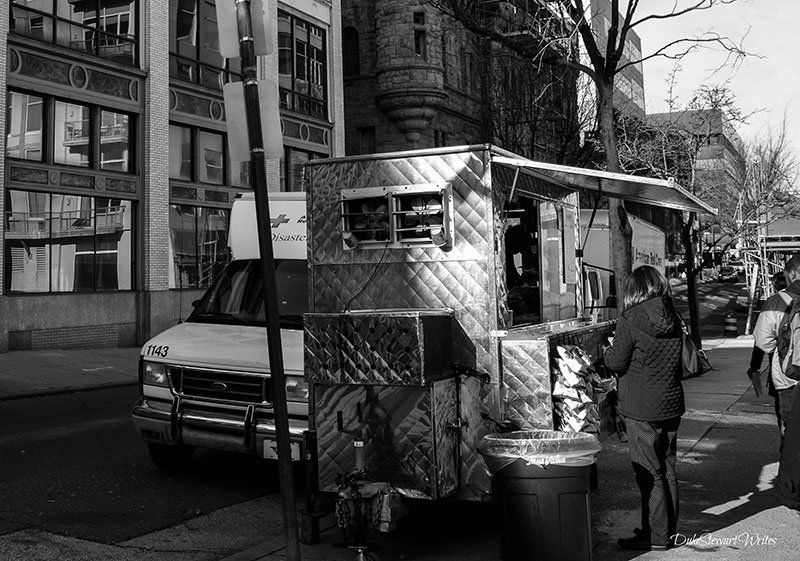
{"x": 170, "y": 458}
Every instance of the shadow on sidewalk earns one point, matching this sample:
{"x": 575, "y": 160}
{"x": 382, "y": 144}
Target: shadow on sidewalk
{"x": 725, "y": 479}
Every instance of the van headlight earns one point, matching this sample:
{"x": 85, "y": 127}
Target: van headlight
{"x": 154, "y": 374}
{"x": 296, "y": 388}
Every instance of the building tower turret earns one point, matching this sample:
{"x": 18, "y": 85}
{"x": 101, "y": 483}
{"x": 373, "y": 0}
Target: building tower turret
{"x": 409, "y": 65}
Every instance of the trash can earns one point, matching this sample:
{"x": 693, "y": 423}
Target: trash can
{"x": 541, "y": 481}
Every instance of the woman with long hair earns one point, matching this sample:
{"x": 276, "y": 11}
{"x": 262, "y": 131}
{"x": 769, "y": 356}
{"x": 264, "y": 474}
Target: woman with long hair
{"x": 646, "y": 356}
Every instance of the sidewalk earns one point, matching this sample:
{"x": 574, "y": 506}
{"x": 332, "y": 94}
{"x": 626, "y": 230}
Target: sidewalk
{"x": 34, "y": 373}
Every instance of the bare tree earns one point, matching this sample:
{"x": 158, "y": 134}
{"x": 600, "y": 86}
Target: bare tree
{"x": 552, "y": 32}
{"x": 689, "y": 144}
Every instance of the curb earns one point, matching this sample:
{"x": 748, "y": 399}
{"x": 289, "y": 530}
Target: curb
{"x": 66, "y": 389}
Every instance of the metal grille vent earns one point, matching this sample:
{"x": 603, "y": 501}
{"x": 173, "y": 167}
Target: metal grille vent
{"x": 223, "y": 386}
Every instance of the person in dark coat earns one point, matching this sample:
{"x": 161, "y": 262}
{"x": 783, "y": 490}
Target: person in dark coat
{"x": 646, "y": 356}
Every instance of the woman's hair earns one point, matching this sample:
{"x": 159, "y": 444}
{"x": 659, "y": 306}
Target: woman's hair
{"x": 643, "y": 283}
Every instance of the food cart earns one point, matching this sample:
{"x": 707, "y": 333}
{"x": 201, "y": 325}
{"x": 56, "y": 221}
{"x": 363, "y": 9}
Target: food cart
{"x": 441, "y": 284}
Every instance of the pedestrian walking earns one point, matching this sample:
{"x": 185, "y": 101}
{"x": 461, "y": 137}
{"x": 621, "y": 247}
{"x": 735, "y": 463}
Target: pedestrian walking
{"x": 765, "y": 335}
{"x": 646, "y": 356}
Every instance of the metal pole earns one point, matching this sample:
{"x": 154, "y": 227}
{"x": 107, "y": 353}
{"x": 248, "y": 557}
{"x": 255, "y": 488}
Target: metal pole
{"x": 258, "y": 182}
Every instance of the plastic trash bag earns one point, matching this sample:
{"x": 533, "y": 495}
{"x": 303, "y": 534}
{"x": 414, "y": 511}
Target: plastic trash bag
{"x": 540, "y": 447}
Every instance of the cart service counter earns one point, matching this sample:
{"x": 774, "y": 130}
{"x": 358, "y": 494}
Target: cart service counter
{"x": 444, "y": 287}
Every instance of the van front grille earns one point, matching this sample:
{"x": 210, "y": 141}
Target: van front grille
{"x": 218, "y": 385}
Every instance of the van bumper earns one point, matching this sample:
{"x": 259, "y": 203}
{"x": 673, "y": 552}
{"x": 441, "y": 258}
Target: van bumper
{"x": 245, "y": 430}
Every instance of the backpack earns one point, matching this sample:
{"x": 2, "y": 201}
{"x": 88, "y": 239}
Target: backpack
{"x": 789, "y": 339}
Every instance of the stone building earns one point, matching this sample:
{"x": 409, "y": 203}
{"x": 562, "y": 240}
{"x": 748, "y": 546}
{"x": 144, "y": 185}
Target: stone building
{"x": 414, "y": 78}
{"x": 115, "y": 183}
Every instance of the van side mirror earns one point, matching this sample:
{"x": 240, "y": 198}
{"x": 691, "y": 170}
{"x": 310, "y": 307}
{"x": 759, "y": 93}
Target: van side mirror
{"x": 611, "y": 302}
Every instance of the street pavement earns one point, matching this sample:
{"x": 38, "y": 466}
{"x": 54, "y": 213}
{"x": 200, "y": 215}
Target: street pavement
{"x": 728, "y": 454}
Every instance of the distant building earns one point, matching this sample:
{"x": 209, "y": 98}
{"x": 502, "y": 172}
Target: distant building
{"x": 629, "y": 82}
{"x": 719, "y": 155}
{"x": 416, "y": 79}
{"x": 115, "y": 180}
{"x": 719, "y": 145}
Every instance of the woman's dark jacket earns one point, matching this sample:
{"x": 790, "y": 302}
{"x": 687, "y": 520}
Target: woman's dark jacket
{"x": 646, "y": 355}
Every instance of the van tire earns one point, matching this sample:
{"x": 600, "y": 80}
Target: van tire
{"x": 170, "y": 457}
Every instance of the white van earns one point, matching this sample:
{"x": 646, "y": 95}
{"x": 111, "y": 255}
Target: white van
{"x": 206, "y": 382}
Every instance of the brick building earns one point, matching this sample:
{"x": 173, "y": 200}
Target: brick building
{"x": 414, "y": 78}
{"x": 115, "y": 179}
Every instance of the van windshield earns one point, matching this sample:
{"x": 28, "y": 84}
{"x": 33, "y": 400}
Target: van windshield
{"x": 237, "y": 296}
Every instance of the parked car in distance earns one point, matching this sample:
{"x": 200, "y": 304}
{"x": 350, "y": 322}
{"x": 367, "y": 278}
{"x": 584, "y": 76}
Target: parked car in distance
{"x": 737, "y": 264}
{"x": 728, "y": 274}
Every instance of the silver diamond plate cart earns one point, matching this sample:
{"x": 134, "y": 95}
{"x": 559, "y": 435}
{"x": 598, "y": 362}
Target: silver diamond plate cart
{"x": 440, "y": 282}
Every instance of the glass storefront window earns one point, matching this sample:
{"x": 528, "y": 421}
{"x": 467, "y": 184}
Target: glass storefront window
{"x": 32, "y": 22}
{"x": 210, "y": 146}
{"x": 180, "y": 152}
{"x": 24, "y": 125}
{"x": 74, "y": 139}
{"x": 71, "y": 132}
{"x": 194, "y": 45}
{"x": 302, "y": 66}
{"x": 115, "y": 141}
{"x": 105, "y": 28}
{"x": 68, "y": 243}
{"x": 198, "y": 245}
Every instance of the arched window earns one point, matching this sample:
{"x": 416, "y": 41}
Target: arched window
{"x": 350, "y": 52}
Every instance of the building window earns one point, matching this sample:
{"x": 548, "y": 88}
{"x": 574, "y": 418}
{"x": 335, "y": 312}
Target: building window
{"x": 198, "y": 245}
{"x": 104, "y": 28}
{"x": 24, "y": 122}
{"x": 420, "y": 48}
{"x": 67, "y": 243}
{"x": 80, "y": 135}
{"x": 302, "y": 66}
{"x": 439, "y": 138}
{"x": 210, "y": 152}
{"x": 194, "y": 45}
{"x": 72, "y": 129}
{"x": 200, "y": 155}
{"x": 420, "y": 36}
{"x": 350, "y": 52}
{"x": 114, "y": 141}
{"x": 292, "y": 168}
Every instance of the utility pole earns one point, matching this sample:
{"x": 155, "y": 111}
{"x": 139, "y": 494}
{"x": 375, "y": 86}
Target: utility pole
{"x": 258, "y": 182}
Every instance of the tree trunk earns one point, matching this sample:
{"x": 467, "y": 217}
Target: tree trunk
{"x": 620, "y": 231}
{"x": 691, "y": 280}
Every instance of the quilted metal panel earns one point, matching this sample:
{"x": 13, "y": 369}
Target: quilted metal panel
{"x": 445, "y": 413}
{"x": 392, "y": 348}
{"x": 467, "y": 277}
{"x": 404, "y": 428}
{"x": 526, "y": 383}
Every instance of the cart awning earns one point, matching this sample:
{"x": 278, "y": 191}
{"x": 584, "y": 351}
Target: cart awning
{"x": 657, "y": 192}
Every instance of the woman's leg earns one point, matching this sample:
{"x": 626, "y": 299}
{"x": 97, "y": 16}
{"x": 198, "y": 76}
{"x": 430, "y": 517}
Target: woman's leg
{"x": 649, "y": 448}
{"x": 670, "y": 434}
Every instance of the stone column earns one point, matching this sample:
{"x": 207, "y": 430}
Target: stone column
{"x": 4, "y": 7}
{"x": 154, "y": 262}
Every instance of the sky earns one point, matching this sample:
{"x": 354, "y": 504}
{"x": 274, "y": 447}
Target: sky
{"x": 766, "y": 85}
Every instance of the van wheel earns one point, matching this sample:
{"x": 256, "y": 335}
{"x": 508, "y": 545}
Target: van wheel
{"x": 170, "y": 458}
